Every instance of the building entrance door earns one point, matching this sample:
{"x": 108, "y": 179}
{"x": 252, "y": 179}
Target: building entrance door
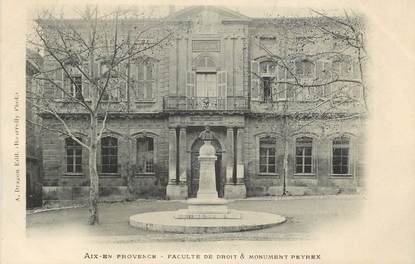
{"x": 193, "y": 184}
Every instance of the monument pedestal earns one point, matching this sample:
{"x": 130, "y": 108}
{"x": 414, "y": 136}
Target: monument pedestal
{"x": 176, "y": 191}
{"x": 207, "y": 213}
{"x": 207, "y": 205}
{"x": 207, "y": 209}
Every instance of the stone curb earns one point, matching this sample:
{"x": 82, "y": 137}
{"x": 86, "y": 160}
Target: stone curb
{"x": 302, "y": 197}
{"x": 267, "y": 198}
{"x": 158, "y": 237}
{"x": 42, "y": 210}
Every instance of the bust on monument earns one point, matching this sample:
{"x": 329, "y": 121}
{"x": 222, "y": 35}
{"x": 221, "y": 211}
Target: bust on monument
{"x": 206, "y": 135}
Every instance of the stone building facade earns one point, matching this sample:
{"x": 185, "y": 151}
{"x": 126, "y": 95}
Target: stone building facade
{"x": 217, "y": 74}
{"x": 33, "y": 148}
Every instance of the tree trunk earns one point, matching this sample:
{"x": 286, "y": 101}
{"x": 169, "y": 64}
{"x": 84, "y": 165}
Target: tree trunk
{"x": 285, "y": 158}
{"x": 93, "y": 175}
{"x": 285, "y": 165}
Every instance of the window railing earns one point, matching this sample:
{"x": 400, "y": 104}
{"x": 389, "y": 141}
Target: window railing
{"x": 181, "y": 103}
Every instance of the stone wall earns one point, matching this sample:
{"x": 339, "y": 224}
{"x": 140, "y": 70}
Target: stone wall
{"x": 153, "y": 185}
{"x": 132, "y": 184}
{"x": 321, "y": 180}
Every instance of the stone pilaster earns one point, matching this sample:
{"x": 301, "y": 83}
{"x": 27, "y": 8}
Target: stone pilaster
{"x": 172, "y": 156}
{"x": 240, "y": 168}
{"x": 183, "y": 160}
{"x": 229, "y": 155}
{"x": 174, "y": 190}
{"x": 237, "y": 190}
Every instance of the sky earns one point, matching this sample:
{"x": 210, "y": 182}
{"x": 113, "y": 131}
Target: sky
{"x": 250, "y": 11}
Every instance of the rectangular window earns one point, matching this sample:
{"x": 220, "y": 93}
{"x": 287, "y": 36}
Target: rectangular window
{"x": 145, "y": 155}
{"x": 304, "y": 155}
{"x": 73, "y": 84}
{"x": 340, "y": 155}
{"x": 73, "y": 156}
{"x": 116, "y": 82}
{"x": 267, "y": 155}
{"x": 145, "y": 81}
{"x": 286, "y": 89}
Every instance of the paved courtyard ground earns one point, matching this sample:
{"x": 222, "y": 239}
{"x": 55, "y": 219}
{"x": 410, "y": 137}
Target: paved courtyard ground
{"x": 304, "y": 216}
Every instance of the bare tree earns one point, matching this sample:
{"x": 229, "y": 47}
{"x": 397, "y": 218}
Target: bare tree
{"x": 86, "y": 62}
{"x": 328, "y": 78}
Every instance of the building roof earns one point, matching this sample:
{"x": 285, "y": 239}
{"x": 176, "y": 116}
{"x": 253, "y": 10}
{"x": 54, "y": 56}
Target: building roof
{"x": 225, "y": 13}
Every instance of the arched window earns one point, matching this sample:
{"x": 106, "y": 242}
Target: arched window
{"x": 73, "y": 151}
{"x": 268, "y": 68}
{"x": 267, "y": 155}
{"x": 304, "y": 155}
{"x": 340, "y": 155}
{"x": 305, "y": 67}
{"x": 109, "y": 155}
{"x": 145, "y": 155}
{"x": 204, "y": 62}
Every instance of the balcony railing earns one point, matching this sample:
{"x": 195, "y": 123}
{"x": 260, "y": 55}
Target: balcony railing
{"x": 179, "y": 103}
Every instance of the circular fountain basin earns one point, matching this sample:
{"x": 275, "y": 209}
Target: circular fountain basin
{"x": 166, "y": 221}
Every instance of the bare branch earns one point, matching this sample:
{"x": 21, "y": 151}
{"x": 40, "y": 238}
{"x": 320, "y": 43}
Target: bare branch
{"x": 67, "y": 129}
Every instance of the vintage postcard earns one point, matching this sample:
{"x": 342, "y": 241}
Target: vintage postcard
{"x": 207, "y": 132}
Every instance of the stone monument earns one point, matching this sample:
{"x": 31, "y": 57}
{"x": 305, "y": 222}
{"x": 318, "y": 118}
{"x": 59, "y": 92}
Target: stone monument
{"x": 207, "y": 204}
{"x": 207, "y": 213}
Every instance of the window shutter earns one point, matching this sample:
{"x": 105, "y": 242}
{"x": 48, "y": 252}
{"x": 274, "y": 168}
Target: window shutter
{"x": 347, "y": 69}
{"x": 290, "y": 92}
{"x": 140, "y": 81}
{"x": 85, "y": 82}
{"x": 133, "y": 78}
{"x": 336, "y": 69}
{"x": 149, "y": 89}
{"x": 327, "y": 91}
{"x": 58, "y": 79}
{"x": 190, "y": 83}
{"x": 327, "y": 71}
{"x": 319, "y": 70}
{"x": 222, "y": 83}
{"x": 255, "y": 84}
{"x": 66, "y": 81}
{"x": 356, "y": 91}
{"x": 275, "y": 90}
{"x": 113, "y": 89}
{"x": 356, "y": 70}
{"x": 148, "y": 69}
{"x": 95, "y": 68}
{"x": 122, "y": 81}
